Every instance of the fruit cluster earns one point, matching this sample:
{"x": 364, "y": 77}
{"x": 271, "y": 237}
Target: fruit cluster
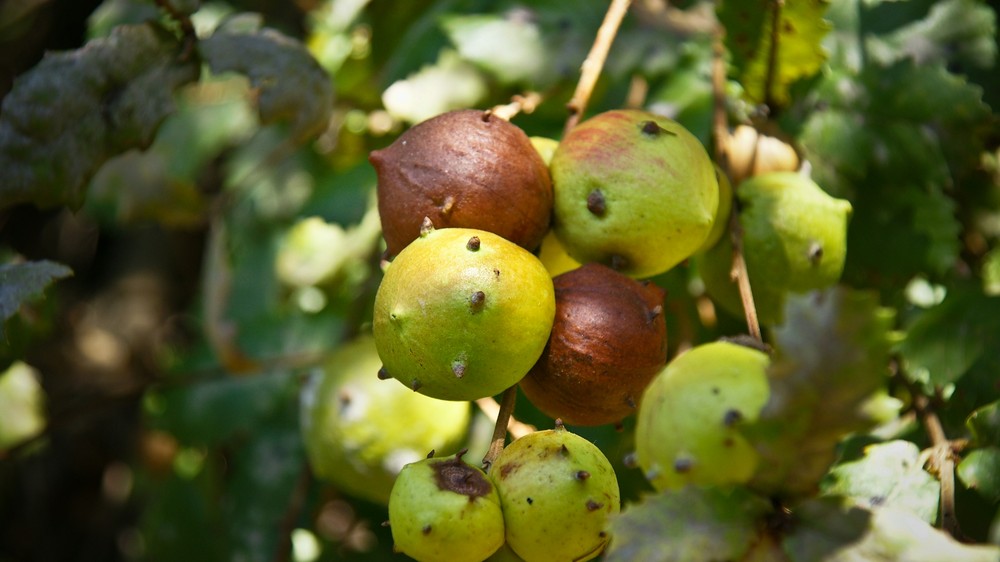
{"x": 524, "y": 261}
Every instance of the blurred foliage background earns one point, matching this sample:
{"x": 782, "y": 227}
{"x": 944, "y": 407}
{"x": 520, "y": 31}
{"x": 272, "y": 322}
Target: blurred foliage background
{"x": 154, "y": 394}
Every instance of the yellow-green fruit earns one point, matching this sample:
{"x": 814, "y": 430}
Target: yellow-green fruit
{"x": 794, "y": 241}
{"x": 554, "y": 256}
{"x": 721, "y": 224}
{"x": 349, "y": 438}
{"x": 445, "y": 510}
{"x": 687, "y": 430}
{"x": 557, "y": 491}
{"x": 545, "y": 147}
{"x": 462, "y": 314}
{"x": 633, "y": 190}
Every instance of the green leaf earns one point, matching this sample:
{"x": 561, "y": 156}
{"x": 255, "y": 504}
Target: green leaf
{"x": 980, "y": 470}
{"x": 954, "y": 30}
{"x": 450, "y": 83}
{"x": 831, "y": 359}
{"x": 890, "y": 474}
{"x": 523, "y": 56}
{"x": 22, "y": 282}
{"x": 984, "y": 425}
{"x": 74, "y": 110}
{"x": 690, "y": 525}
{"x": 771, "y": 60}
{"x": 291, "y": 86}
{"x": 825, "y": 530}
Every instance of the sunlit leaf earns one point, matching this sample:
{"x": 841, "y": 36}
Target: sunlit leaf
{"x": 890, "y": 474}
{"x": 980, "y": 470}
{"x": 70, "y": 113}
{"x": 22, "y": 282}
{"x": 689, "y": 525}
{"x": 832, "y": 355}
{"x": 522, "y": 58}
{"x": 449, "y": 84}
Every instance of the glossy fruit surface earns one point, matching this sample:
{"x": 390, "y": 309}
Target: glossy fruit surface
{"x": 443, "y": 510}
{"x": 633, "y": 190}
{"x": 609, "y": 339}
{"x": 349, "y": 439}
{"x": 794, "y": 240}
{"x": 687, "y": 430}
{"x": 462, "y": 314}
{"x": 463, "y": 168}
{"x": 557, "y": 491}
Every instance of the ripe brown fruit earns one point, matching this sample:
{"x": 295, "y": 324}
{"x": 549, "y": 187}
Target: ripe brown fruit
{"x": 465, "y": 168}
{"x": 609, "y": 339}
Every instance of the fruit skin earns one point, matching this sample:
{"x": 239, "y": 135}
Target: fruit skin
{"x": 557, "y": 491}
{"x": 721, "y": 225}
{"x": 445, "y": 510}
{"x": 554, "y": 257}
{"x": 458, "y": 323}
{"x": 609, "y": 339}
{"x": 794, "y": 240}
{"x": 687, "y": 430}
{"x": 633, "y": 190}
{"x": 349, "y": 439}
{"x": 463, "y": 168}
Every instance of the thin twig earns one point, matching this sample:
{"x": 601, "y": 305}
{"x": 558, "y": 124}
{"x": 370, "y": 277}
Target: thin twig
{"x": 491, "y": 408}
{"x": 518, "y": 104}
{"x": 500, "y": 429}
{"x": 594, "y": 63}
{"x": 772, "y": 55}
{"x": 739, "y": 274}
{"x": 941, "y": 462}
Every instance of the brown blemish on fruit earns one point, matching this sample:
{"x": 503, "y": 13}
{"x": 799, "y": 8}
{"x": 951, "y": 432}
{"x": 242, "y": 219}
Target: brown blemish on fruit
{"x": 530, "y": 501}
{"x": 728, "y": 442}
{"x": 383, "y": 374}
{"x": 506, "y": 469}
{"x": 563, "y": 451}
{"x": 416, "y": 385}
{"x": 594, "y": 506}
{"x": 650, "y": 128}
{"x": 477, "y": 301}
{"x": 426, "y": 530}
{"x": 473, "y": 244}
{"x": 581, "y": 475}
{"x": 454, "y": 475}
{"x": 630, "y": 402}
{"x": 683, "y": 465}
{"x": 731, "y": 417}
{"x": 458, "y": 367}
{"x": 596, "y": 203}
{"x": 618, "y": 262}
{"x": 815, "y": 253}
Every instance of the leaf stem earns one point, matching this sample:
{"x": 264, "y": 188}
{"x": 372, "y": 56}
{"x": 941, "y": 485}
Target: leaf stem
{"x": 518, "y": 103}
{"x": 739, "y": 274}
{"x": 500, "y": 429}
{"x": 594, "y": 63}
{"x": 941, "y": 462}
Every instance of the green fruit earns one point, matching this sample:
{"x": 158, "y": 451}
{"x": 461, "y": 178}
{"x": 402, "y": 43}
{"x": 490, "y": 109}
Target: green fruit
{"x": 445, "y": 510}
{"x": 794, "y": 241}
{"x": 687, "y": 430}
{"x": 462, "y": 314}
{"x": 557, "y": 491}
{"x": 721, "y": 224}
{"x": 350, "y": 440}
{"x": 633, "y": 190}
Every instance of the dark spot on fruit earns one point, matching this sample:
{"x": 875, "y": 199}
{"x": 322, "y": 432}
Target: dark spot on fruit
{"x": 815, "y": 253}
{"x": 582, "y": 475}
{"x": 487, "y": 115}
{"x": 426, "y": 530}
{"x": 596, "y": 203}
{"x": 506, "y": 469}
{"x": 650, "y": 128}
{"x": 426, "y": 227}
{"x": 477, "y": 301}
{"x": 383, "y": 374}
{"x": 497, "y": 273}
{"x": 430, "y": 455}
{"x": 454, "y": 475}
{"x": 654, "y": 313}
{"x": 630, "y": 460}
{"x": 683, "y": 465}
{"x": 631, "y": 402}
{"x": 563, "y": 451}
{"x": 618, "y": 262}
{"x": 594, "y": 506}
{"x": 715, "y": 390}
{"x": 416, "y": 385}
{"x": 731, "y": 417}
{"x": 530, "y": 501}
{"x": 458, "y": 367}
{"x": 602, "y": 534}
{"x": 728, "y": 442}
{"x": 473, "y": 244}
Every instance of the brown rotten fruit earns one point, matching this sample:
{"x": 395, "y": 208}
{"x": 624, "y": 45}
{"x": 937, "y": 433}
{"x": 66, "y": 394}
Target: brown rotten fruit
{"x": 465, "y": 168}
{"x": 609, "y": 339}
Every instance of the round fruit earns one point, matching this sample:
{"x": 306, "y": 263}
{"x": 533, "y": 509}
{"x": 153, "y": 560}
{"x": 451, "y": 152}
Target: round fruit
{"x": 794, "y": 240}
{"x": 445, "y": 510}
{"x": 352, "y": 442}
{"x": 462, "y": 314}
{"x": 467, "y": 169}
{"x": 687, "y": 430}
{"x": 721, "y": 224}
{"x": 609, "y": 339}
{"x": 633, "y": 190}
{"x": 752, "y": 154}
{"x": 554, "y": 256}
{"x": 557, "y": 491}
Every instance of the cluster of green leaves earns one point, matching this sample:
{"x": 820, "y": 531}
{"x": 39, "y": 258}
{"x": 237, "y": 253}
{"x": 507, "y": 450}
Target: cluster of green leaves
{"x": 260, "y": 138}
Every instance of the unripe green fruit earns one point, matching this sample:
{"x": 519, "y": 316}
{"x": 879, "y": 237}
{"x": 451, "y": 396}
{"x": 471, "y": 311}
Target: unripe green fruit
{"x": 687, "y": 429}
{"x": 721, "y": 225}
{"x": 359, "y": 432}
{"x": 445, "y": 510}
{"x": 462, "y": 314}
{"x": 633, "y": 190}
{"x": 557, "y": 491}
{"x": 794, "y": 241}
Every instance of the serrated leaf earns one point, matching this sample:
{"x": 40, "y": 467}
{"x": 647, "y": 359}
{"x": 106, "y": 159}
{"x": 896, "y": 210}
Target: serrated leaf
{"x": 984, "y": 425}
{"x": 980, "y": 470}
{"x": 890, "y": 474}
{"x": 769, "y": 60}
{"x": 74, "y": 110}
{"x": 827, "y": 531}
{"x": 22, "y": 282}
{"x": 689, "y": 525}
{"x": 832, "y": 355}
{"x": 291, "y": 86}
{"x": 522, "y": 58}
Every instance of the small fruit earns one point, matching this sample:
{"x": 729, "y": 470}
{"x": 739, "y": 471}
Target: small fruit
{"x": 467, "y": 169}
{"x": 462, "y": 314}
{"x": 687, "y": 430}
{"x": 633, "y": 190}
{"x": 752, "y": 154}
{"x": 557, "y": 491}
{"x": 359, "y": 432}
{"x": 721, "y": 225}
{"x": 609, "y": 339}
{"x": 445, "y": 510}
{"x": 794, "y": 241}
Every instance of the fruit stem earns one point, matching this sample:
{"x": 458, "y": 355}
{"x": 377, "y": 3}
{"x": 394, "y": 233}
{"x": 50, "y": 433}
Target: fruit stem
{"x": 500, "y": 429}
{"x": 518, "y": 103}
{"x": 591, "y": 68}
{"x": 739, "y": 274}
